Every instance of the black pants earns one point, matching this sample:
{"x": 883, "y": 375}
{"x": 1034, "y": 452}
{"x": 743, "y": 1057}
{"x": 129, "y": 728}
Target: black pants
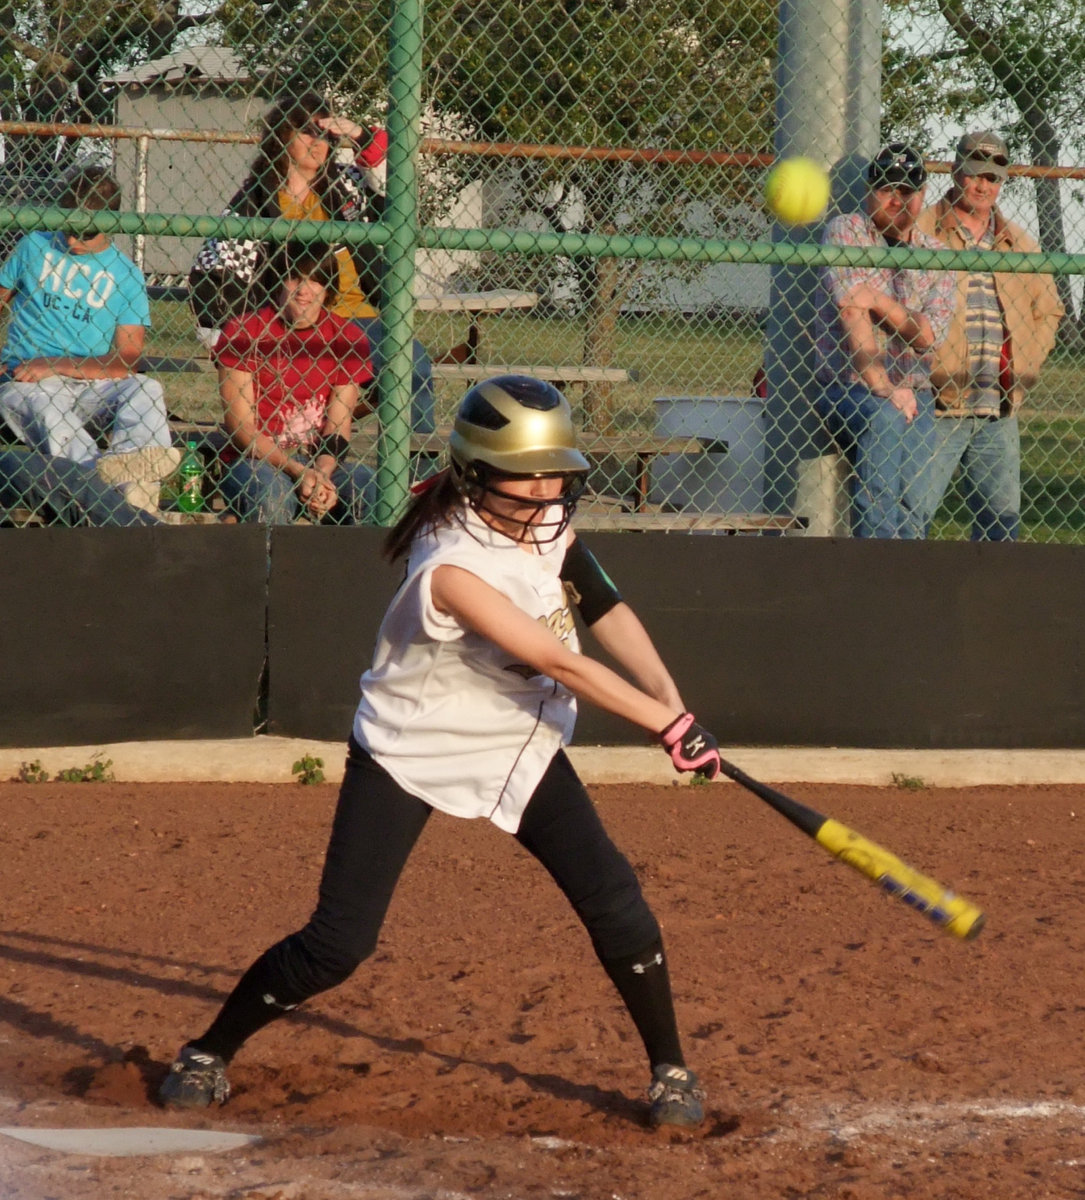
{"x": 376, "y": 826}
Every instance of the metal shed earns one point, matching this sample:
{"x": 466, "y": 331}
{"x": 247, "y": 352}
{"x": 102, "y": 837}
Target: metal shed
{"x": 202, "y": 88}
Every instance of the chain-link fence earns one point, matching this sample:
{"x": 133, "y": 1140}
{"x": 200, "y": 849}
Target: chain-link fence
{"x": 571, "y": 190}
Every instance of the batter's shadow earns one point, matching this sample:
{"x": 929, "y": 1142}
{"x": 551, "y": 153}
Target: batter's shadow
{"x": 36, "y": 953}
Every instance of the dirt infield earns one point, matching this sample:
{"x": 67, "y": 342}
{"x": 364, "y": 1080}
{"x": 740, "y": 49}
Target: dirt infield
{"x": 850, "y": 1050}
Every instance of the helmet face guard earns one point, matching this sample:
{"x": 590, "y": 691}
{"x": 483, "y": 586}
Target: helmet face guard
{"x": 517, "y": 427}
{"x": 480, "y": 483}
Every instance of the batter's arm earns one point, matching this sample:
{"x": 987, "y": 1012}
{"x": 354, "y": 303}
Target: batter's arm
{"x": 483, "y": 609}
{"x": 613, "y": 622}
{"x": 622, "y": 635}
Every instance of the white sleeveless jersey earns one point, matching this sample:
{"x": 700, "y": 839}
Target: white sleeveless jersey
{"x": 454, "y": 719}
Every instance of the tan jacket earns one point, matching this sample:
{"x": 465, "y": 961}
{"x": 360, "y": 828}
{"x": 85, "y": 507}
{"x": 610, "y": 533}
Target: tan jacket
{"x": 1031, "y": 311}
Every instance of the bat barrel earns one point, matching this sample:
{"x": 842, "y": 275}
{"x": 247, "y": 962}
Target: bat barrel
{"x": 950, "y": 912}
{"x": 953, "y": 913}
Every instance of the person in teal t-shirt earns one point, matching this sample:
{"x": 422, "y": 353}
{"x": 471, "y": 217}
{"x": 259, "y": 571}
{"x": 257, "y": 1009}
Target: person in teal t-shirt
{"x": 78, "y": 317}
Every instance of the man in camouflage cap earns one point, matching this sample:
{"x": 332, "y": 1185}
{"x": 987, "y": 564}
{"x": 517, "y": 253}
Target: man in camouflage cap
{"x": 1003, "y": 329}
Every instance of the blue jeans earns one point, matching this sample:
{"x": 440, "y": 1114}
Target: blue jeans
{"x": 70, "y": 492}
{"x": 254, "y": 490}
{"x": 988, "y": 453}
{"x": 52, "y": 415}
{"x": 886, "y": 453}
{"x": 423, "y": 396}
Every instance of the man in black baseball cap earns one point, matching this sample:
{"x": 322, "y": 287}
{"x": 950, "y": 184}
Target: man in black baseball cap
{"x": 897, "y": 165}
{"x": 875, "y": 328}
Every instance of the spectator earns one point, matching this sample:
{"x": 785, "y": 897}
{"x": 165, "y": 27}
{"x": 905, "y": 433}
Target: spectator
{"x": 297, "y": 174}
{"x": 61, "y": 491}
{"x": 875, "y": 329}
{"x": 289, "y": 377}
{"x": 1003, "y": 329}
{"x": 79, "y": 312}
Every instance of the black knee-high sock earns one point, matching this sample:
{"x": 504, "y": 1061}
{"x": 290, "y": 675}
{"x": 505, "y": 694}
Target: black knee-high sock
{"x": 644, "y": 985}
{"x": 248, "y": 1008}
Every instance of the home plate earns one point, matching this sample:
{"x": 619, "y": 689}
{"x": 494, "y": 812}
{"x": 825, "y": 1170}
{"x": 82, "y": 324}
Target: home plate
{"x": 118, "y": 1143}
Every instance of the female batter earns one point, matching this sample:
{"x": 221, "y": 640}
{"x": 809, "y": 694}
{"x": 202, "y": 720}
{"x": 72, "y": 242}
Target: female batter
{"x": 470, "y": 698}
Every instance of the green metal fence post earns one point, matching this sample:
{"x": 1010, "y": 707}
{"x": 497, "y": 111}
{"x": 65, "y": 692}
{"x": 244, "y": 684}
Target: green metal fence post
{"x": 828, "y": 92}
{"x": 401, "y": 221}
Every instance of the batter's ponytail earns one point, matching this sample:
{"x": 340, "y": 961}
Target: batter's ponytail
{"x": 431, "y": 503}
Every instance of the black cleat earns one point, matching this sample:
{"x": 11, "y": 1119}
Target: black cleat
{"x": 675, "y": 1097}
{"x": 196, "y": 1079}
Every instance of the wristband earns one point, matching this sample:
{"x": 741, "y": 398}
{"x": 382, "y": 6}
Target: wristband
{"x": 334, "y": 444}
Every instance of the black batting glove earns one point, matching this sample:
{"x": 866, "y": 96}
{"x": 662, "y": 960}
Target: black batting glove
{"x": 691, "y": 747}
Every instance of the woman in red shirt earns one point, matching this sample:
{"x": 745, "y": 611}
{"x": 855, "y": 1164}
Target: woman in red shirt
{"x": 289, "y": 377}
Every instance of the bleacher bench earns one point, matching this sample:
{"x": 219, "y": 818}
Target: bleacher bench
{"x": 690, "y": 522}
{"x": 560, "y": 376}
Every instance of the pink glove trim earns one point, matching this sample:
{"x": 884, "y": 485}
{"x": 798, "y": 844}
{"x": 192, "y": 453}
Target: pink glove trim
{"x": 696, "y": 751}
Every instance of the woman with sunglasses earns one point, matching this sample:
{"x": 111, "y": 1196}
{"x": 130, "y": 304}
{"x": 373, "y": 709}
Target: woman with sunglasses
{"x": 466, "y": 709}
{"x": 298, "y": 174}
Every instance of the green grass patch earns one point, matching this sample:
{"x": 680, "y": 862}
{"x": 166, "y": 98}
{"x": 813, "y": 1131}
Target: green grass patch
{"x": 32, "y": 772}
{"x": 309, "y": 770}
{"x": 96, "y": 771}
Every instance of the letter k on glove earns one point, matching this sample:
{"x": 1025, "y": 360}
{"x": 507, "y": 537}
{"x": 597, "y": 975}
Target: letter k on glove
{"x": 691, "y": 747}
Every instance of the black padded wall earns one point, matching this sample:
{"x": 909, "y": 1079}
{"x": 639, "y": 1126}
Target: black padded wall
{"x": 773, "y": 641}
{"x": 117, "y": 635}
{"x": 859, "y": 643}
{"x": 329, "y": 589}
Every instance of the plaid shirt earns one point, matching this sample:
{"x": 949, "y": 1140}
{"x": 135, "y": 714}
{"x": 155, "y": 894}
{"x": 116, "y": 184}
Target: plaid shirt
{"x": 984, "y": 331}
{"x": 931, "y": 293}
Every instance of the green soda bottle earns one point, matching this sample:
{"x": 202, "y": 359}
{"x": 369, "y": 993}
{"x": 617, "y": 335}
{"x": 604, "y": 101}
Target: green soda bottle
{"x": 190, "y": 480}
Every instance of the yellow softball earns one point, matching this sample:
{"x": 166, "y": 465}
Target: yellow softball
{"x": 797, "y": 191}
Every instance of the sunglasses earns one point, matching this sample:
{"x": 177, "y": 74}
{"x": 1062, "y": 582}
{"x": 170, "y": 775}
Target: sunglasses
{"x": 314, "y": 130}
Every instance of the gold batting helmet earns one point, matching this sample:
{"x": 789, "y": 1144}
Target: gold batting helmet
{"x": 516, "y": 426}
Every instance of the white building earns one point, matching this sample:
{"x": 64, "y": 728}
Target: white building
{"x": 202, "y": 88}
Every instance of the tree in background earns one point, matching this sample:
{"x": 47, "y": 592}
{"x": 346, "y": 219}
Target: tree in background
{"x": 696, "y": 74}
{"x": 687, "y": 74}
{"x": 54, "y": 56}
{"x": 1008, "y": 64}
{"x": 693, "y": 74}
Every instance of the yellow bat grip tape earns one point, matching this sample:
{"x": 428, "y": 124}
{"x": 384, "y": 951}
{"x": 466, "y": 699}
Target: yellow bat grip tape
{"x": 953, "y": 913}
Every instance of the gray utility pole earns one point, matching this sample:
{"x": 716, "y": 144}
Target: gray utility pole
{"x": 828, "y": 107}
